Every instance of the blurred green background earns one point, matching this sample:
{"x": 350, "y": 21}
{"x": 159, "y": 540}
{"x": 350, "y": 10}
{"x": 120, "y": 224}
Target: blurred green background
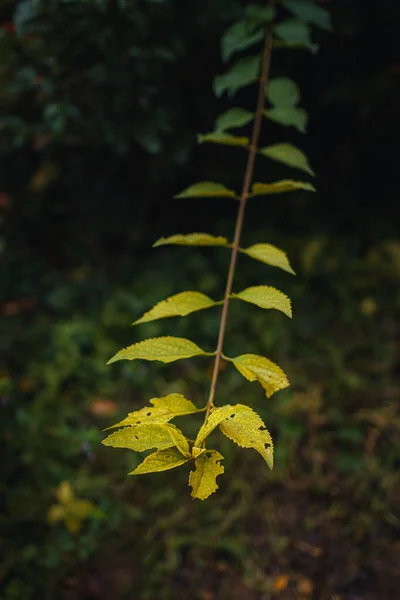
{"x": 100, "y": 103}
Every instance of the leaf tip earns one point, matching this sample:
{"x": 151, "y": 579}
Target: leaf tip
{"x": 113, "y": 359}
{"x": 270, "y": 457}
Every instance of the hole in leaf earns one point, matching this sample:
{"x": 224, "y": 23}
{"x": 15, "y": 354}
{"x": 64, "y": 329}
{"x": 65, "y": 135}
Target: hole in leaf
{"x": 262, "y": 428}
{"x": 231, "y": 417}
{"x": 148, "y": 414}
{"x": 137, "y": 437}
{"x": 266, "y": 446}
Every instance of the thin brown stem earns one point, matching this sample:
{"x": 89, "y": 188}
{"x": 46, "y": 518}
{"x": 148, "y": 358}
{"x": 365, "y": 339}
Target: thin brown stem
{"x": 264, "y": 78}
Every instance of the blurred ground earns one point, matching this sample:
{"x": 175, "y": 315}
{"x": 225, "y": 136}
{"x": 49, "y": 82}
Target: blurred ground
{"x": 323, "y": 524}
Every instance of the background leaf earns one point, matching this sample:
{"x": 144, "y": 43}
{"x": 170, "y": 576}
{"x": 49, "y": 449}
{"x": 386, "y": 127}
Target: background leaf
{"x": 283, "y": 92}
{"x": 242, "y": 73}
{"x": 239, "y": 36}
{"x": 295, "y": 33}
{"x": 203, "y": 479}
{"x": 255, "y": 367}
{"x": 270, "y": 255}
{"x": 179, "y": 305}
{"x": 310, "y": 13}
{"x": 162, "y": 460}
{"x": 289, "y": 116}
{"x": 232, "y": 118}
{"x": 280, "y": 187}
{"x": 266, "y": 297}
{"x": 64, "y": 493}
{"x": 162, "y": 410}
{"x": 288, "y": 155}
{"x": 192, "y": 239}
{"x": 246, "y": 428}
{"x": 206, "y": 189}
{"x": 259, "y": 14}
{"x": 165, "y": 349}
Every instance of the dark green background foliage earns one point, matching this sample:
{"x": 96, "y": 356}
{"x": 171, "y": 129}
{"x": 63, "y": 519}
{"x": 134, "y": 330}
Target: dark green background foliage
{"x": 100, "y": 103}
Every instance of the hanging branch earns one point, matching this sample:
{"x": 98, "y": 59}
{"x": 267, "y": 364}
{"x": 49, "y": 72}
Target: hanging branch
{"x": 262, "y": 90}
{"x": 149, "y": 428}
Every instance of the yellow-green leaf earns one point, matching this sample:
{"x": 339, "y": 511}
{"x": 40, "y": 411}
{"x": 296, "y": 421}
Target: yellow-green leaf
{"x": 270, "y": 255}
{"x": 180, "y": 305}
{"x": 162, "y": 460}
{"x": 162, "y": 410}
{"x": 192, "y": 239}
{"x": 288, "y": 155}
{"x": 148, "y": 436}
{"x": 289, "y": 116}
{"x": 279, "y": 187}
{"x": 180, "y": 440}
{"x": 246, "y": 428}
{"x": 165, "y": 349}
{"x": 255, "y": 367}
{"x": 206, "y": 189}
{"x": 219, "y": 137}
{"x": 265, "y": 296}
{"x": 214, "y": 419}
{"x": 241, "y": 73}
{"x": 197, "y": 451}
{"x": 203, "y": 479}
{"x": 141, "y": 437}
{"x": 232, "y": 118}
